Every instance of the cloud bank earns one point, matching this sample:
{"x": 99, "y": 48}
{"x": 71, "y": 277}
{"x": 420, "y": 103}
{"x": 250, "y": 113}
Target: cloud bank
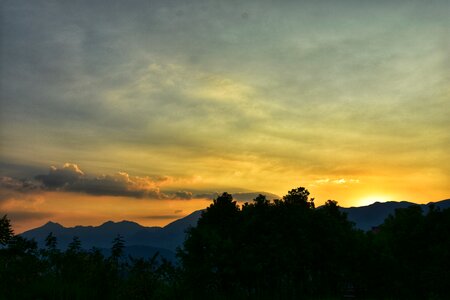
{"x": 70, "y": 178}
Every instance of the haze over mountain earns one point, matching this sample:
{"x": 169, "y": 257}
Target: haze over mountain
{"x": 141, "y": 240}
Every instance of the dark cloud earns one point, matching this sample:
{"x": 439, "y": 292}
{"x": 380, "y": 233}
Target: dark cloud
{"x": 18, "y": 185}
{"x": 116, "y": 185}
{"x": 12, "y": 188}
{"x": 72, "y": 179}
{"x": 211, "y": 195}
{"x": 16, "y": 170}
{"x": 183, "y": 195}
{"x": 60, "y": 177}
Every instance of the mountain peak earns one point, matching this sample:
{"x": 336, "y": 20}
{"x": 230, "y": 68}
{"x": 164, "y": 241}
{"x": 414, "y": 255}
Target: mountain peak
{"x": 51, "y": 224}
{"x": 126, "y": 222}
{"x": 107, "y": 223}
{"x": 119, "y": 222}
{"x": 122, "y": 224}
{"x": 189, "y": 220}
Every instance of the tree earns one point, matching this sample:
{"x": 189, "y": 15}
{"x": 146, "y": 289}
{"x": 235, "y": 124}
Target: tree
{"x": 299, "y": 197}
{"x": 75, "y": 245}
{"x": 6, "y": 232}
{"x": 209, "y": 251}
{"x": 50, "y": 242}
{"x": 261, "y": 200}
{"x": 117, "y": 248}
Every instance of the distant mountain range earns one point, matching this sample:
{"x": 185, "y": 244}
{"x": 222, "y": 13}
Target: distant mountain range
{"x": 366, "y": 217}
{"x": 144, "y": 241}
{"x": 140, "y": 240}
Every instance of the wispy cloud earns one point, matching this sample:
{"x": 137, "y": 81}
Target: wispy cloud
{"x": 161, "y": 217}
{"x": 336, "y": 181}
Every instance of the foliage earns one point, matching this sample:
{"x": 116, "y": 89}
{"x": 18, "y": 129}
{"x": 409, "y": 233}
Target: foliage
{"x": 289, "y": 249}
{"x": 27, "y": 272}
{"x": 281, "y": 249}
{"x": 6, "y": 232}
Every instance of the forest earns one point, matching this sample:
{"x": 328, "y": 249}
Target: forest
{"x": 280, "y": 249}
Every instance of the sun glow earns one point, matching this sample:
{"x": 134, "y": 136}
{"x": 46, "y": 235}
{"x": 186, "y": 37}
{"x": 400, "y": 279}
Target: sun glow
{"x": 372, "y": 199}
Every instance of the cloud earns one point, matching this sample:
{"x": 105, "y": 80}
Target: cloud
{"x": 161, "y": 217}
{"x": 18, "y": 185}
{"x": 12, "y": 188}
{"x": 120, "y": 184}
{"x": 71, "y": 178}
{"x": 207, "y": 195}
{"x": 336, "y": 181}
{"x": 20, "y": 193}
{"x": 60, "y": 177}
{"x": 183, "y": 195}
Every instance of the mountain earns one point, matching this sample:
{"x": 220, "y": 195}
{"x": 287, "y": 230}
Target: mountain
{"x": 146, "y": 241}
{"x": 170, "y": 236}
{"x": 366, "y": 217}
{"x": 139, "y": 240}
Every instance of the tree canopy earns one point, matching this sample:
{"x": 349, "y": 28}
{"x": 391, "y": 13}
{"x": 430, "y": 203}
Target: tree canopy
{"x": 282, "y": 249}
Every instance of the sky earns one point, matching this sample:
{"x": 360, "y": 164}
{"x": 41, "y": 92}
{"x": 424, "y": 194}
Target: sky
{"x": 147, "y": 110}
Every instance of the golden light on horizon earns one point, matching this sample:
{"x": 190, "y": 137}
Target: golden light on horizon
{"x": 365, "y": 201}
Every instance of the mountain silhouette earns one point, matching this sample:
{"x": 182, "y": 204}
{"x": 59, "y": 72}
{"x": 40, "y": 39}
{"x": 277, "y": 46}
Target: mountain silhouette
{"x": 144, "y": 241}
{"x": 367, "y": 217}
{"x": 140, "y": 241}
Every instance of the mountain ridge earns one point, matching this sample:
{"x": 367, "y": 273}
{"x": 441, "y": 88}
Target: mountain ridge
{"x": 172, "y": 235}
{"x": 369, "y": 216}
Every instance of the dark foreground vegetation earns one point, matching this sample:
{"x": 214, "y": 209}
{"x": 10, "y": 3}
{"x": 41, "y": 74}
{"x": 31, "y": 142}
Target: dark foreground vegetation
{"x": 282, "y": 249}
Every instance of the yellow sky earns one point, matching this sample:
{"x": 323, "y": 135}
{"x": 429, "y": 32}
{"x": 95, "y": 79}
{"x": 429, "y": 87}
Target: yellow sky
{"x": 157, "y": 102}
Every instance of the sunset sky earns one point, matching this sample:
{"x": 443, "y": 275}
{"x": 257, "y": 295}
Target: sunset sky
{"x": 145, "y": 110}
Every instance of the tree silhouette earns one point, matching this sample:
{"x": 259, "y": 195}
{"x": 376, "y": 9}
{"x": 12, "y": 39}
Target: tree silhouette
{"x": 75, "y": 245}
{"x": 117, "y": 249}
{"x": 50, "y": 242}
{"x": 299, "y": 196}
{"x": 281, "y": 249}
{"x": 6, "y": 232}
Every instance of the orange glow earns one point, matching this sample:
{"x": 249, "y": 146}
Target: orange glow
{"x": 71, "y": 209}
{"x": 372, "y": 199}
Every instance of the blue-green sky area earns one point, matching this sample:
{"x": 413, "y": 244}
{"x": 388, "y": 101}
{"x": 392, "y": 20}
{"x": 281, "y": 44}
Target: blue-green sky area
{"x": 146, "y": 102}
